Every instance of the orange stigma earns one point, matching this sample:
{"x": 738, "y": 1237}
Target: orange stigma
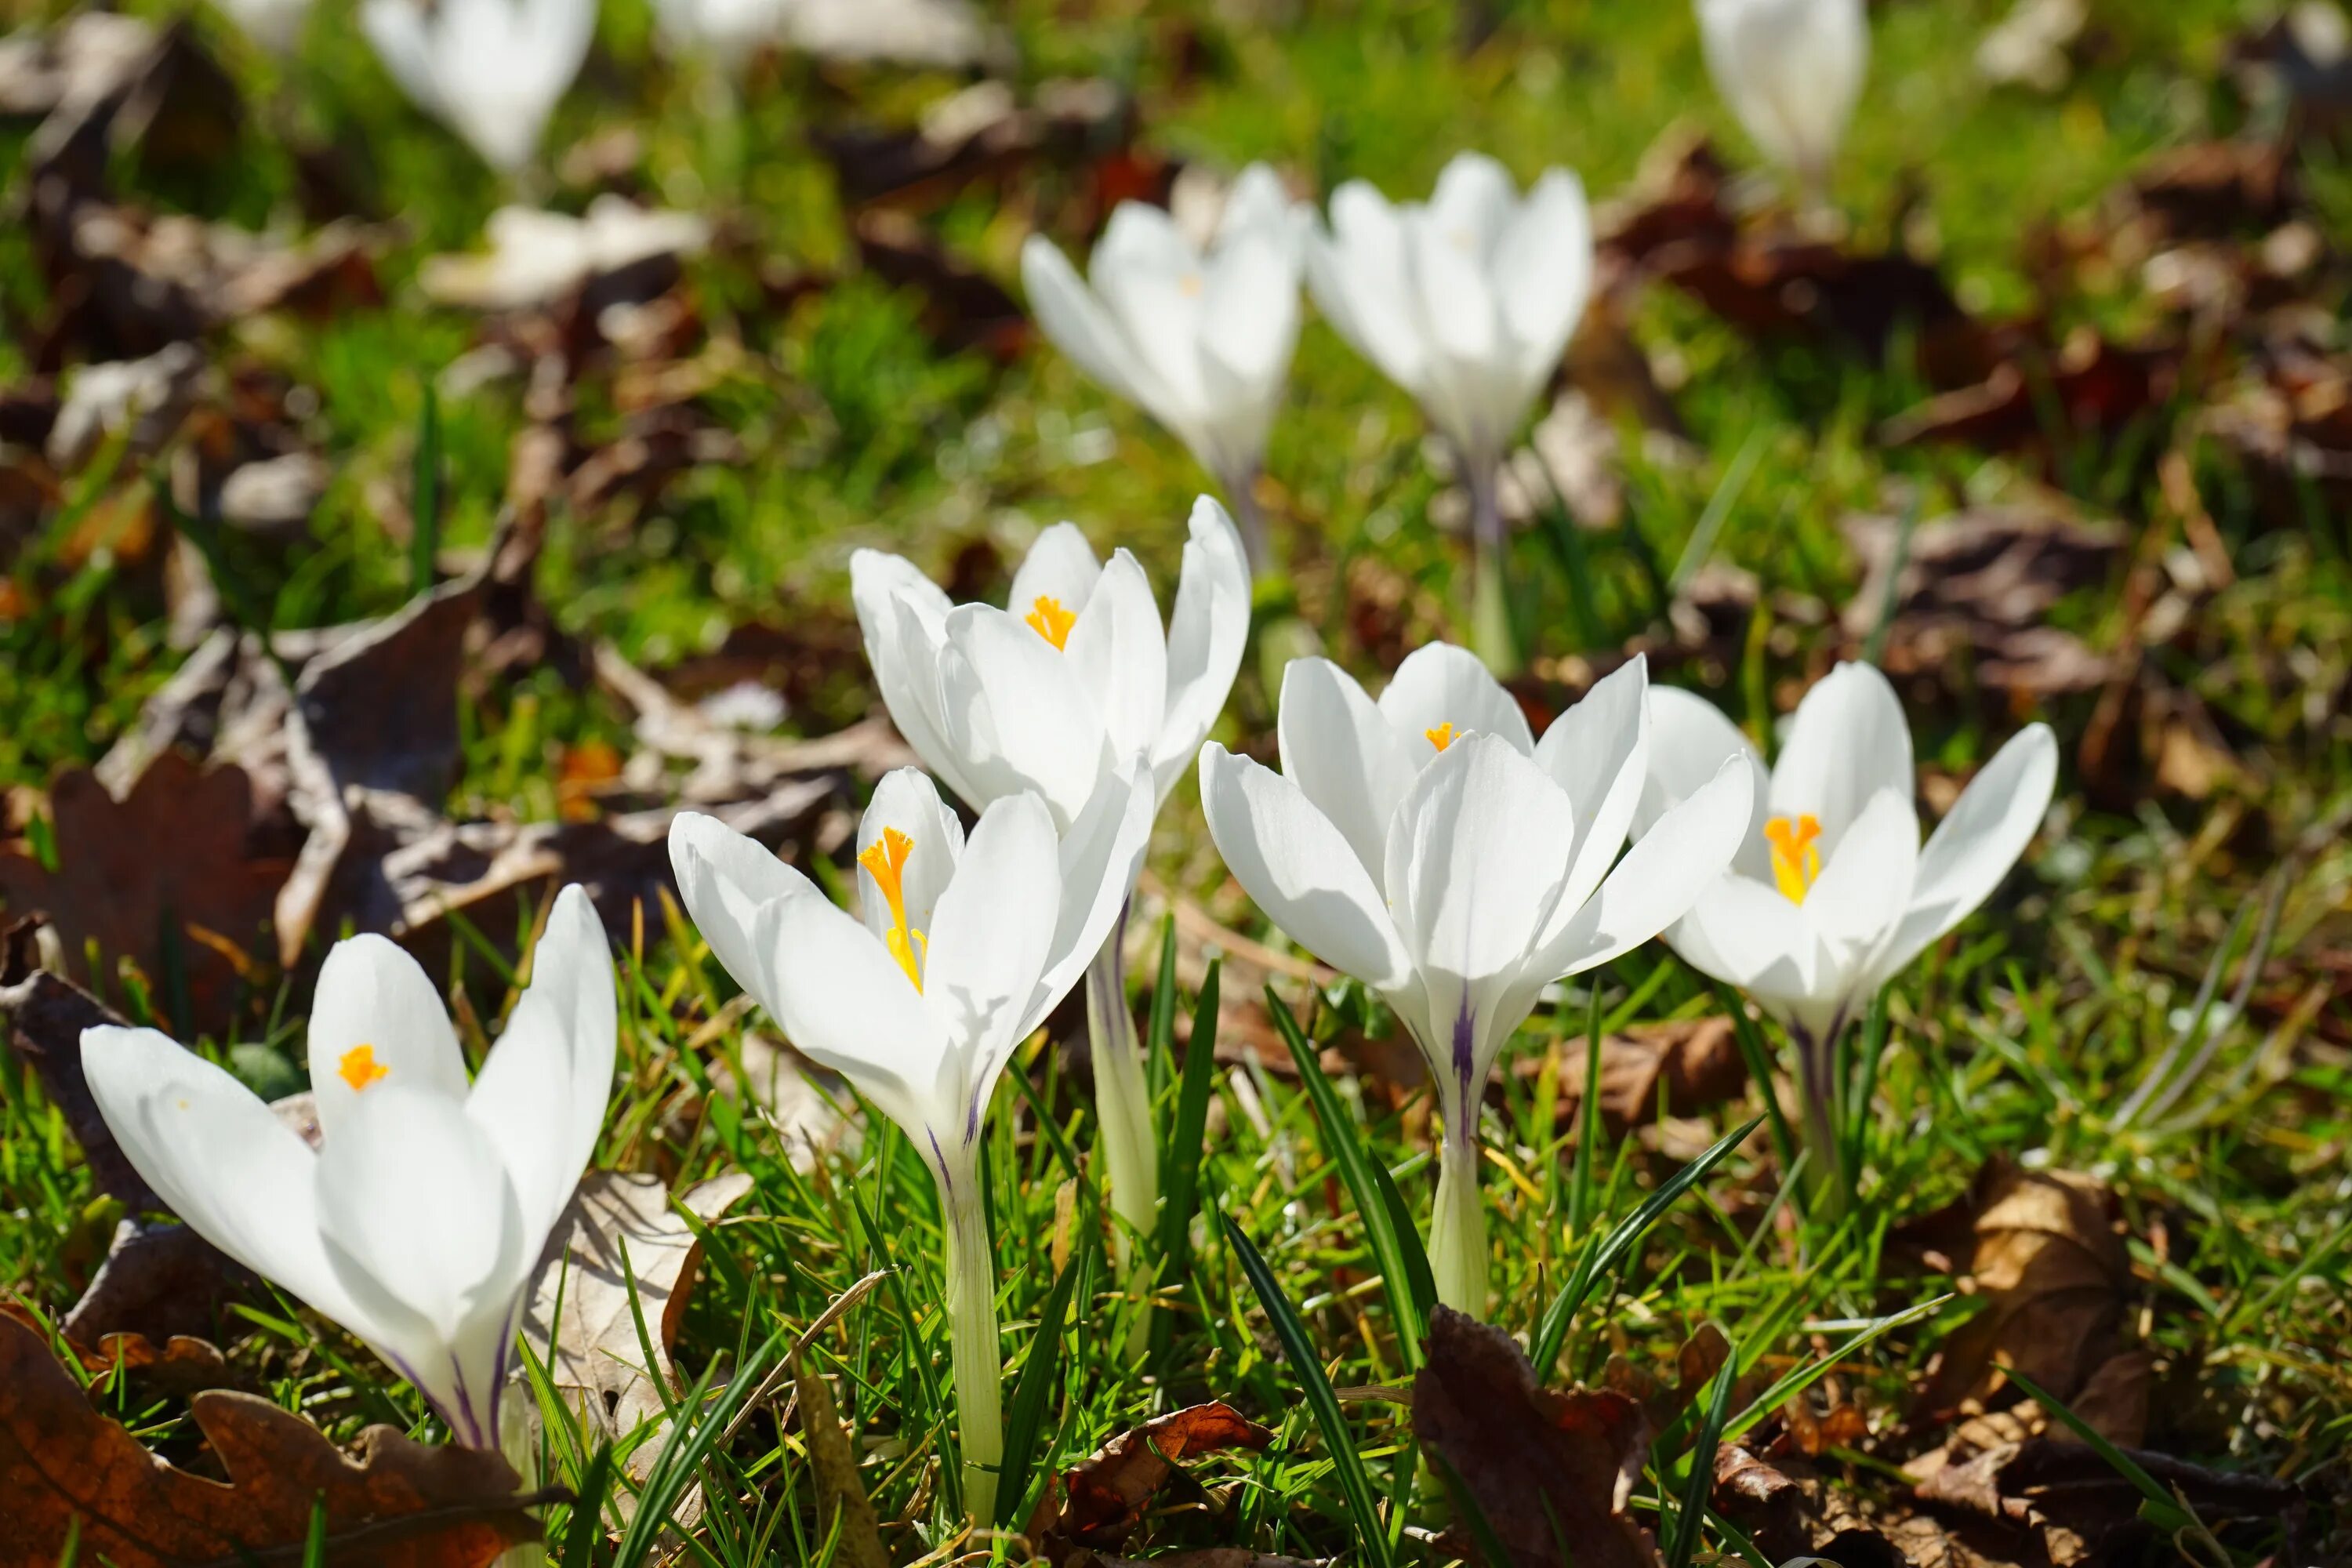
{"x": 1050, "y": 620}
{"x": 1796, "y": 859}
{"x": 1440, "y": 737}
{"x": 885, "y": 860}
{"x": 359, "y": 1068}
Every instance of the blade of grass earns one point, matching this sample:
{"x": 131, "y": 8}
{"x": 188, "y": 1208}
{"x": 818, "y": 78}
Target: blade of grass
{"x": 1692, "y": 1516}
{"x": 2163, "y": 1508}
{"x": 1179, "y": 1162}
{"x": 425, "y": 494}
{"x": 1346, "y": 1462}
{"x": 1160, "y": 1034}
{"x": 1039, "y": 1374}
{"x": 1355, "y": 1167}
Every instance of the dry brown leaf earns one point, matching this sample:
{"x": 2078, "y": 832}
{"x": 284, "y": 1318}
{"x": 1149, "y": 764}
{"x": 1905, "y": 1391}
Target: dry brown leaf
{"x": 2045, "y": 1250}
{"x": 1536, "y": 1462}
{"x": 621, "y": 1230}
{"x": 64, "y": 1465}
{"x": 840, "y": 1494}
{"x": 1100, "y": 1501}
{"x": 1695, "y": 1062}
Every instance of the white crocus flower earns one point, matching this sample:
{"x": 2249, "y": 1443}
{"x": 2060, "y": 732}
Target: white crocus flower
{"x": 1061, "y": 693}
{"x": 489, "y": 70}
{"x": 275, "y": 24}
{"x": 418, "y": 1223}
{"x": 1200, "y": 341}
{"x": 1467, "y": 302}
{"x": 1831, "y": 894}
{"x": 1791, "y": 71}
{"x": 728, "y": 33}
{"x": 963, "y": 949}
{"x": 1429, "y": 845}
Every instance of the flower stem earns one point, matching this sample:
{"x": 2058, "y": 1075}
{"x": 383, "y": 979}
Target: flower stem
{"x": 1241, "y": 501}
{"x": 1457, "y": 1226}
{"x": 1490, "y": 547}
{"x": 1122, "y": 1111}
{"x": 975, "y": 1355}
{"x": 1824, "y": 1184}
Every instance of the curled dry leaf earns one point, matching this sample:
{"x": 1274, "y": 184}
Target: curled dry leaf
{"x": 1100, "y": 1501}
{"x": 841, "y": 1496}
{"x": 2045, "y": 1250}
{"x": 67, "y": 1470}
{"x": 1693, "y": 1063}
{"x": 1545, "y": 1468}
{"x": 621, "y": 1230}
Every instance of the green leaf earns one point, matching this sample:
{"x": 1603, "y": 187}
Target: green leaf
{"x": 1160, "y": 1034}
{"x": 2163, "y": 1510}
{"x": 1179, "y": 1162}
{"x": 1595, "y": 1261}
{"x": 1381, "y": 1227}
{"x": 425, "y": 494}
{"x": 1300, "y": 1351}
{"x": 1702, "y": 1464}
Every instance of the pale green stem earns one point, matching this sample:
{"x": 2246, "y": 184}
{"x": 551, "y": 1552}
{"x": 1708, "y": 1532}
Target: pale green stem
{"x": 1825, "y": 1184}
{"x": 1457, "y": 1226}
{"x": 1490, "y": 546}
{"x": 975, "y": 1355}
{"x": 1241, "y": 501}
{"x": 1123, "y": 1114}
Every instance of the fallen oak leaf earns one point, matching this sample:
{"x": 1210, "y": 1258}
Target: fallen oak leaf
{"x": 845, "y": 1514}
{"x": 621, "y": 1231}
{"x": 70, "y": 1472}
{"x": 1551, "y": 1472}
{"x": 1099, "y": 1501}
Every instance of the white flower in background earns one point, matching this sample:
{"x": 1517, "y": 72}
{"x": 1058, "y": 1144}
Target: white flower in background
{"x": 489, "y": 70}
{"x": 275, "y": 24}
{"x": 418, "y": 1223}
{"x": 962, "y": 951}
{"x": 1793, "y": 72}
{"x": 1429, "y": 845}
{"x": 729, "y": 32}
{"x": 1467, "y": 302}
{"x": 1202, "y": 342}
{"x": 1831, "y": 894}
{"x": 1061, "y": 693}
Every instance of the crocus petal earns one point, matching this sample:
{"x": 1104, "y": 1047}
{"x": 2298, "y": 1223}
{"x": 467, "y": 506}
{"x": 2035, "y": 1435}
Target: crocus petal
{"x": 990, "y": 938}
{"x": 1153, "y": 282}
{"x": 902, "y": 616}
{"x": 1257, "y": 203}
{"x": 1665, "y": 872}
{"x": 1205, "y": 638}
{"x": 1857, "y": 901}
{"x": 424, "y": 1232}
{"x": 1543, "y": 273}
{"x": 397, "y": 29}
{"x": 1017, "y": 715}
{"x": 908, "y": 802}
{"x": 1345, "y": 755}
{"x": 1360, "y": 279}
{"x": 725, "y": 882}
{"x": 219, "y": 1159}
{"x": 1119, "y": 655}
{"x": 1598, "y": 752}
{"x": 846, "y": 1002}
{"x": 1849, "y": 742}
{"x": 541, "y": 1093}
{"x": 1746, "y": 933}
{"x": 1440, "y": 684}
{"x": 1690, "y": 739}
{"x": 377, "y": 1020}
{"x": 1101, "y": 855}
{"x": 1472, "y": 203}
{"x": 1074, "y": 321}
{"x": 1974, "y": 846}
{"x": 1060, "y": 566}
{"x": 1298, "y": 868}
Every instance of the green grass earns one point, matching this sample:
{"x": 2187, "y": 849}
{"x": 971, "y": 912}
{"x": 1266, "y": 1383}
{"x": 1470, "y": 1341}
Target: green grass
{"x": 2027, "y": 1031}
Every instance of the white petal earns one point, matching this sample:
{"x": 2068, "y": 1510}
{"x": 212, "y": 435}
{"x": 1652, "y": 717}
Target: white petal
{"x": 902, "y": 616}
{"x": 218, "y": 1157}
{"x": 424, "y": 1230}
{"x": 846, "y": 1002}
{"x": 1665, "y": 872}
{"x": 1153, "y": 282}
{"x": 1017, "y": 716}
{"x": 990, "y": 942}
{"x": 1690, "y": 739}
{"x": 908, "y": 800}
{"x": 1598, "y": 752}
{"x": 1205, "y": 638}
{"x": 397, "y": 30}
{"x": 376, "y": 1020}
{"x": 1345, "y": 755}
{"x": 1865, "y": 884}
{"x": 543, "y": 1092}
{"x": 1289, "y": 858}
{"x": 1101, "y": 855}
{"x": 1473, "y": 202}
{"x": 725, "y": 882}
{"x": 1257, "y": 203}
{"x": 1440, "y": 684}
{"x": 1362, "y": 284}
{"x": 1850, "y": 740}
{"x": 1746, "y": 933}
{"x": 1074, "y": 321}
{"x": 1974, "y": 846}
{"x": 1120, "y": 655}
{"x": 1542, "y": 271}
{"x": 1061, "y": 566}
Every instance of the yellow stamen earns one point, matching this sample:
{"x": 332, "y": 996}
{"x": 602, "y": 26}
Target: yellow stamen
{"x": 885, "y": 860}
{"x": 1050, "y": 620}
{"x": 359, "y": 1068}
{"x": 1191, "y": 284}
{"x": 1440, "y": 737}
{"x": 1796, "y": 858}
